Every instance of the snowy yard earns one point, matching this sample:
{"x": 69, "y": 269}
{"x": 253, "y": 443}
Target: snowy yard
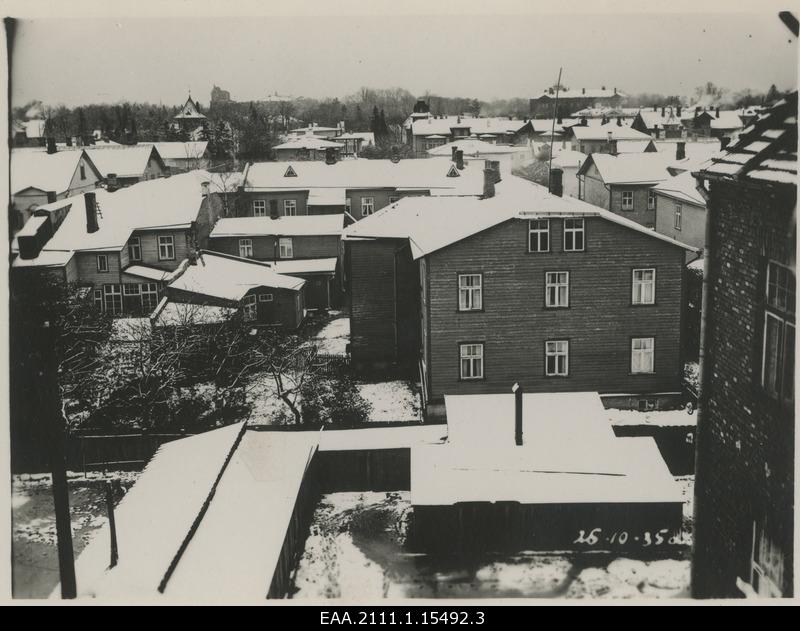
{"x": 655, "y": 418}
{"x": 391, "y": 401}
{"x": 334, "y": 337}
{"x": 355, "y": 551}
{"x": 35, "y": 557}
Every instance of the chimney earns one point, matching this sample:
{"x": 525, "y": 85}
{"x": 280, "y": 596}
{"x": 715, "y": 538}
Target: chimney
{"x": 724, "y": 141}
{"x": 610, "y": 136}
{"x": 69, "y": 141}
{"x": 111, "y": 182}
{"x": 583, "y": 90}
{"x": 494, "y": 167}
{"x": 205, "y": 188}
{"x": 517, "y": 390}
{"x": 91, "y": 212}
{"x": 656, "y": 132}
{"x": 663, "y": 111}
{"x": 717, "y": 111}
{"x": 678, "y": 111}
{"x": 584, "y": 122}
{"x": 655, "y": 108}
{"x": 330, "y": 155}
{"x": 613, "y": 148}
{"x": 557, "y": 182}
{"x": 619, "y": 121}
{"x": 459, "y": 159}
{"x": 51, "y": 145}
{"x": 52, "y": 196}
{"x": 488, "y": 183}
{"x": 680, "y": 150}
{"x": 603, "y": 88}
{"x": 453, "y": 150}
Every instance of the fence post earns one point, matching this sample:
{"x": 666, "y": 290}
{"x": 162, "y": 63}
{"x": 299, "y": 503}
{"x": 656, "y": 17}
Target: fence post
{"x": 110, "y": 486}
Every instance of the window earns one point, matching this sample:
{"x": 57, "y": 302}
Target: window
{"x": 112, "y": 295}
{"x": 129, "y": 289}
{"x": 289, "y": 207}
{"x": 777, "y": 364}
{"x": 766, "y": 571}
{"x": 83, "y": 171}
{"x": 627, "y": 200}
{"x": 644, "y": 287}
{"x": 285, "y": 248}
{"x": 367, "y": 206}
{"x": 642, "y": 354}
{"x": 678, "y": 216}
{"x": 556, "y": 290}
{"x": 246, "y": 248}
{"x": 348, "y": 204}
{"x": 98, "y": 299}
{"x": 249, "y": 308}
{"x": 651, "y": 200}
{"x": 166, "y": 248}
{"x": 102, "y": 262}
{"x": 556, "y": 358}
{"x": 149, "y": 293}
{"x": 259, "y": 208}
{"x": 471, "y": 361}
{"x": 573, "y": 235}
{"x": 470, "y": 292}
{"x": 539, "y": 235}
{"x": 135, "y": 249}
{"x": 265, "y": 297}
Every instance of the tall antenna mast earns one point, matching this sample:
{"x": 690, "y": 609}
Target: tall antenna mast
{"x": 552, "y": 132}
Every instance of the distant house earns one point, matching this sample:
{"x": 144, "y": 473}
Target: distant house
{"x": 28, "y": 133}
{"x": 431, "y": 132}
{"x": 359, "y": 187}
{"x": 573, "y": 100}
{"x": 180, "y": 157}
{"x": 681, "y": 210}
{"x": 261, "y": 294}
{"x": 713, "y": 123}
{"x": 315, "y": 130}
{"x": 481, "y": 293}
{"x": 189, "y": 119}
{"x": 123, "y": 245}
{"x": 308, "y": 247}
{"x": 744, "y": 520}
{"x": 354, "y": 142}
{"x": 474, "y": 149}
{"x": 308, "y": 147}
{"x": 664, "y": 122}
{"x": 600, "y": 138}
{"x": 125, "y": 165}
{"x": 40, "y": 176}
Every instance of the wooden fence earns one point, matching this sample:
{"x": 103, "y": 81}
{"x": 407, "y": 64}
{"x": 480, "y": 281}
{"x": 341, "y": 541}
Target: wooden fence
{"x": 122, "y": 451}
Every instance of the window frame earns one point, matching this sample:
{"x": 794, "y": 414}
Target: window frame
{"x": 652, "y": 199}
{"x": 135, "y": 244}
{"x": 538, "y": 232}
{"x": 290, "y": 207}
{"x": 556, "y": 354}
{"x": 625, "y": 207}
{"x": 102, "y": 269}
{"x": 471, "y": 290}
{"x": 574, "y": 231}
{"x": 259, "y": 208}
{"x": 247, "y": 244}
{"x": 170, "y": 245}
{"x": 365, "y": 205}
{"x": 641, "y": 283}
{"x": 266, "y": 297}
{"x": 249, "y": 308}
{"x": 148, "y": 292}
{"x": 471, "y": 358}
{"x": 641, "y": 351}
{"x": 677, "y": 217}
{"x": 109, "y": 292}
{"x": 557, "y": 285}
{"x": 282, "y": 242}
{"x": 784, "y": 315}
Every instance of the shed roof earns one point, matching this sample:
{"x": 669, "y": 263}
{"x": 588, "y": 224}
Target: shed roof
{"x": 682, "y": 187}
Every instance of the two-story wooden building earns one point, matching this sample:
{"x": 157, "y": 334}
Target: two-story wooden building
{"x": 602, "y": 138}
{"x": 525, "y": 287}
{"x": 431, "y": 132}
{"x": 664, "y": 122}
{"x": 573, "y": 100}
{"x": 123, "y": 165}
{"x": 305, "y": 246}
{"x": 744, "y": 524}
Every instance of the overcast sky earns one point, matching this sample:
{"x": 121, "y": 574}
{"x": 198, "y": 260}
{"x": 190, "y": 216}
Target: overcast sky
{"x": 79, "y": 61}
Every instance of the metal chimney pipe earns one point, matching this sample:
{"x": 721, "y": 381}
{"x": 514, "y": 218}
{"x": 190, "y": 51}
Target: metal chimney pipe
{"x": 517, "y": 390}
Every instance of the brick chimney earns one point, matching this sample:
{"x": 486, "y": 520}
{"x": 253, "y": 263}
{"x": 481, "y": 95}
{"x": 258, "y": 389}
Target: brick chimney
{"x": 459, "y": 159}
{"x": 51, "y": 145}
{"x": 330, "y": 155}
{"x": 724, "y": 141}
{"x": 584, "y": 122}
{"x": 557, "y": 182}
{"x": 205, "y": 188}
{"x": 610, "y": 137}
{"x": 655, "y": 108}
{"x": 583, "y": 90}
{"x": 453, "y": 150}
{"x": 488, "y": 183}
{"x": 494, "y": 167}
{"x": 111, "y": 182}
{"x": 680, "y": 150}
{"x": 678, "y": 111}
{"x": 717, "y": 111}
{"x": 656, "y": 131}
{"x": 69, "y": 141}
{"x": 517, "y": 390}
{"x": 91, "y": 212}
{"x": 613, "y": 148}
{"x": 619, "y": 121}
{"x": 52, "y": 196}
{"x": 663, "y": 111}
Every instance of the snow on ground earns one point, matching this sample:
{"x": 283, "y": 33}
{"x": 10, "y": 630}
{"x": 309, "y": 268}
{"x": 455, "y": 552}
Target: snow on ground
{"x": 391, "y": 401}
{"x": 266, "y": 408}
{"x": 334, "y": 337}
{"x": 657, "y": 418}
{"x": 686, "y": 483}
{"x": 130, "y": 329}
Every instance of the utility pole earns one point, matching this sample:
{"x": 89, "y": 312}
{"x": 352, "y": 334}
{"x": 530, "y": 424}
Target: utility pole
{"x": 552, "y": 132}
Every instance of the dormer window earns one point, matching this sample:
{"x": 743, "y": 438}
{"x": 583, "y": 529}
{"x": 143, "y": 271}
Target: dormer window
{"x": 290, "y": 172}
{"x": 453, "y": 172}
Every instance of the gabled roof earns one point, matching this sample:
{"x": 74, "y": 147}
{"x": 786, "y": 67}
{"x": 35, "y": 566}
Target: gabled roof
{"x": 600, "y": 132}
{"x": 230, "y": 277}
{"x": 124, "y": 161}
{"x": 629, "y": 168}
{"x": 474, "y": 147}
{"x": 766, "y": 151}
{"x": 582, "y": 93}
{"x": 635, "y": 146}
{"x": 670, "y": 117}
{"x": 309, "y": 142}
{"x": 189, "y": 111}
{"x": 477, "y": 125}
{"x": 298, "y": 225}
{"x": 191, "y": 150}
{"x": 431, "y": 223}
{"x": 35, "y": 168}
{"x": 682, "y": 187}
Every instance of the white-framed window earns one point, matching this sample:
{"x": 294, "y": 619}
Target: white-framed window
{"x": 539, "y": 235}
{"x": 470, "y": 292}
{"x": 98, "y": 299}
{"x": 112, "y": 297}
{"x": 83, "y": 171}
{"x": 102, "y": 262}
{"x": 777, "y": 363}
{"x": 651, "y": 199}
{"x": 471, "y": 356}
{"x": 135, "y": 249}
{"x": 130, "y": 289}
{"x": 556, "y": 358}
{"x": 166, "y": 247}
{"x": 367, "y": 206}
{"x": 285, "y": 249}
{"x": 574, "y": 235}
{"x": 249, "y": 308}
{"x": 627, "y": 200}
{"x": 644, "y": 286}
{"x": 556, "y": 289}
{"x": 766, "y": 565}
{"x": 289, "y": 207}
{"x": 246, "y": 248}
{"x": 149, "y": 293}
{"x": 642, "y": 355}
{"x": 265, "y": 297}
{"x": 678, "y": 216}
{"x": 348, "y": 204}
{"x": 259, "y": 208}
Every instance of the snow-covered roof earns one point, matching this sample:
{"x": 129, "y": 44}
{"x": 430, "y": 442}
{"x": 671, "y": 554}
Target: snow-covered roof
{"x": 766, "y": 151}
{"x": 629, "y": 168}
{"x": 423, "y": 174}
{"x": 431, "y": 223}
{"x": 171, "y": 313}
{"x": 326, "y": 197}
{"x": 34, "y": 128}
{"x": 569, "y": 455}
{"x": 474, "y": 147}
{"x": 309, "y": 142}
{"x": 311, "y": 129}
{"x": 367, "y": 136}
{"x": 122, "y": 160}
{"x": 696, "y": 152}
{"x": 172, "y": 202}
{"x": 726, "y": 119}
{"x": 306, "y": 266}
{"x": 582, "y": 93}
{"x": 152, "y": 273}
{"x": 477, "y": 125}
{"x": 230, "y": 277}
{"x": 297, "y": 225}
{"x": 381, "y": 437}
{"x": 568, "y": 158}
{"x": 634, "y": 146}
{"x": 601, "y": 132}
{"x": 682, "y": 187}
{"x": 46, "y": 171}
{"x": 191, "y": 150}
{"x": 189, "y": 111}
{"x": 655, "y": 418}
{"x": 652, "y": 119}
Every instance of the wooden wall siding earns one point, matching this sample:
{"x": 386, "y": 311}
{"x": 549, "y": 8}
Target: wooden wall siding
{"x": 149, "y": 241}
{"x": 71, "y": 272}
{"x": 284, "y": 308}
{"x": 211, "y": 209}
{"x": 594, "y": 191}
{"x": 266, "y": 248}
{"x": 246, "y": 200}
{"x": 372, "y": 311}
{"x": 515, "y": 324}
{"x": 153, "y": 169}
{"x": 639, "y": 214}
{"x": 180, "y": 295}
{"x": 407, "y": 285}
{"x": 693, "y": 221}
{"x": 86, "y": 264}
{"x": 89, "y": 183}
{"x": 380, "y": 198}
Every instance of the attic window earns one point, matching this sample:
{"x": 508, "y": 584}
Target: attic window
{"x": 453, "y": 172}
{"x": 290, "y": 172}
